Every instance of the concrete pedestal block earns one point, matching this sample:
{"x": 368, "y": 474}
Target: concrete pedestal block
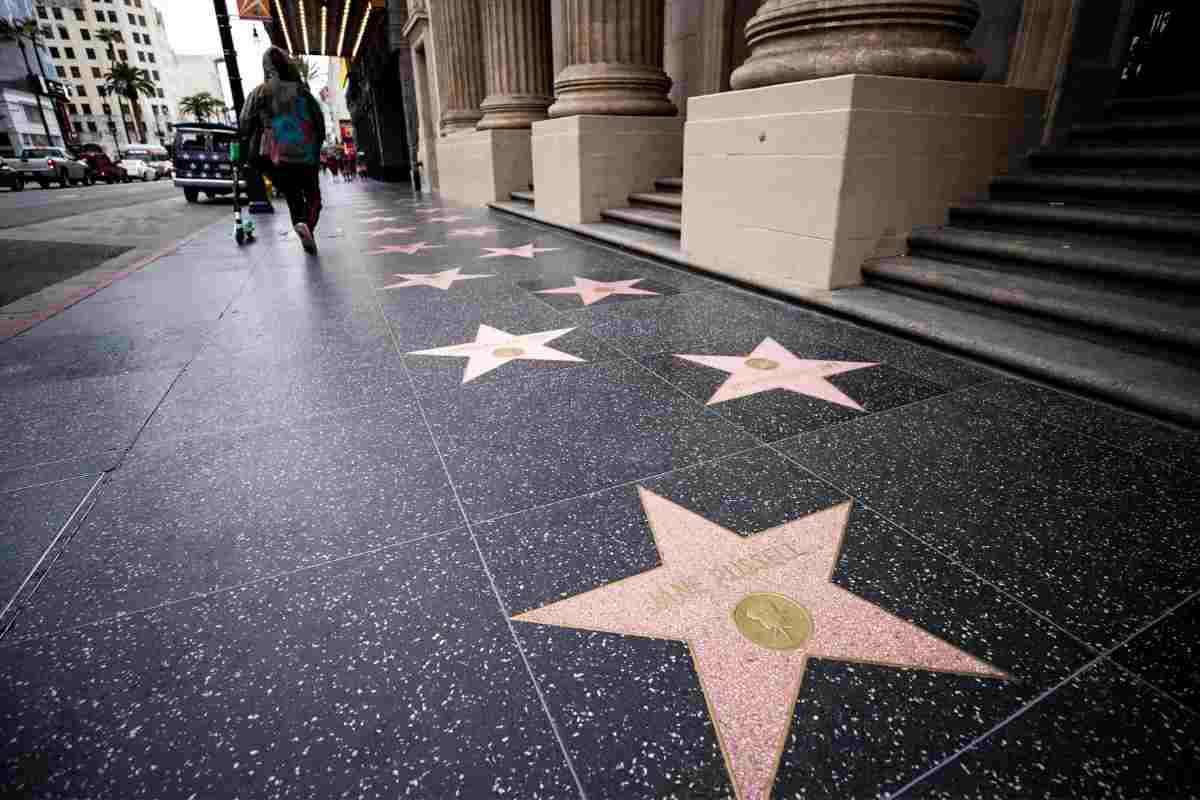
{"x": 585, "y": 164}
{"x": 479, "y": 167}
{"x": 793, "y": 186}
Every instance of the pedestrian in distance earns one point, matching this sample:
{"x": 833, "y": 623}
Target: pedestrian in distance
{"x": 285, "y": 128}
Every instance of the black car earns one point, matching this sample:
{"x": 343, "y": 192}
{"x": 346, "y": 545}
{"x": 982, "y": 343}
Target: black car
{"x": 11, "y": 178}
{"x": 202, "y": 159}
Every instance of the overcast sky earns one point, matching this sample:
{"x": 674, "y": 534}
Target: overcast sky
{"x": 192, "y": 29}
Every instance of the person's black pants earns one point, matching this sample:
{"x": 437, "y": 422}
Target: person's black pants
{"x": 302, "y": 188}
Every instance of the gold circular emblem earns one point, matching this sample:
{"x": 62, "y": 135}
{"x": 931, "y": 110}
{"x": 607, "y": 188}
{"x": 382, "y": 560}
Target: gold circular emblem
{"x": 761, "y": 363}
{"x": 508, "y": 352}
{"x": 602, "y": 289}
{"x": 773, "y": 621}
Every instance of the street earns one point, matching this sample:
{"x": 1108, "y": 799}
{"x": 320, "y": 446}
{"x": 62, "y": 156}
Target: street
{"x": 52, "y": 235}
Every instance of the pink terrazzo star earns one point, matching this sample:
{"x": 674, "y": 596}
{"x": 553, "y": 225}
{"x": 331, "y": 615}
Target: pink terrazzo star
{"x": 524, "y": 251}
{"x": 772, "y": 366}
{"x": 451, "y": 218}
{"x": 483, "y": 230}
{"x": 594, "y": 291}
{"x": 390, "y": 232}
{"x": 407, "y": 249}
{"x": 494, "y": 348}
{"x": 715, "y": 589}
{"x": 378, "y": 219}
{"x": 438, "y": 280}
{"x": 429, "y": 210}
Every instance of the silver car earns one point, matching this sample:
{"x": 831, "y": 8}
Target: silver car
{"x": 48, "y": 165}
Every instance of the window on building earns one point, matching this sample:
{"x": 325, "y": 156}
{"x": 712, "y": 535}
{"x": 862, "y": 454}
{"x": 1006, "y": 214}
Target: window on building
{"x": 132, "y": 19}
{"x": 99, "y": 15}
{"x": 62, "y": 72}
{"x": 81, "y": 90}
{"x": 69, "y": 52}
{"x": 63, "y": 33}
{"x": 107, "y": 109}
{"x": 121, "y": 54}
{"x": 160, "y": 93}
{"x": 57, "y": 12}
{"x": 154, "y": 74}
{"x": 151, "y": 57}
{"x": 85, "y": 34}
{"x": 146, "y": 38}
{"x": 47, "y": 32}
{"x": 42, "y": 13}
{"x": 79, "y": 14}
{"x": 72, "y": 109}
{"x": 100, "y": 90}
{"x": 54, "y": 52}
{"x": 85, "y": 108}
{"x": 141, "y": 57}
{"x": 91, "y": 126}
{"x": 75, "y": 72}
{"x": 91, "y": 54}
{"x": 96, "y": 72}
{"x": 112, "y": 17}
{"x": 141, "y": 20}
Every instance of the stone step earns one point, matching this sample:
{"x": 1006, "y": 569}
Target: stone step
{"x": 1181, "y": 192}
{"x": 1113, "y": 313}
{"x": 669, "y": 184}
{"x": 1179, "y": 230}
{"x": 1157, "y": 386}
{"x": 1175, "y": 128}
{"x": 659, "y": 220}
{"x": 1117, "y": 157}
{"x": 524, "y": 197}
{"x": 1152, "y": 106}
{"x": 1078, "y": 255}
{"x": 658, "y": 199}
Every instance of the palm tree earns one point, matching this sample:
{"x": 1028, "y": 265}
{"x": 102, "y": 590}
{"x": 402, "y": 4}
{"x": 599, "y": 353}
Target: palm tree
{"x": 127, "y": 82}
{"x": 27, "y": 28}
{"x": 201, "y": 106}
{"x": 307, "y": 69}
{"x": 110, "y": 37}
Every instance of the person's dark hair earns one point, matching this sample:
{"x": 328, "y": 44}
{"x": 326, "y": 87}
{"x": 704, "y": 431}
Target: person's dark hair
{"x": 276, "y": 59}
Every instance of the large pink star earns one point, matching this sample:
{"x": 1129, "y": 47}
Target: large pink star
{"x": 772, "y": 366}
{"x": 753, "y": 611}
{"x": 494, "y": 348}
{"x": 524, "y": 251}
{"x": 439, "y": 280}
{"x": 390, "y": 232}
{"x": 480, "y": 231}
{"x": 407, "y": 249}
{"x": 590, "y": 291}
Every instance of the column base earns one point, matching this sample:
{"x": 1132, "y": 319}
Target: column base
{"x": 793, "y": 186}
{"x": 479, "y": 167}
{"x": 583, "y": 165}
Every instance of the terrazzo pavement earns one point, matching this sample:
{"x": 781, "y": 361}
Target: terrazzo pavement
{"x": 252, "y": 545}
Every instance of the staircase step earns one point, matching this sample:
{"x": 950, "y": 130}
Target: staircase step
{"x": 1179, "y": 127}
{"x": 1072, "y": 255}
{"x": 1109, "y": 312}
{"x": 658, "y": 199}
{"x": 1181, "y": 229}
{"x": 669, "y": 184}
{"x": 525, "y": 197}
{"x": 1149, "y": 106}
{"x": 663, "y": 220}
{"x": 1159, "y": 387}
{"x": 1117, "y": 157}
{"x": 1128, "y": 189}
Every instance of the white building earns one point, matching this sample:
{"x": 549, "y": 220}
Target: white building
{"x": 21, "y": 124}
{"x": 193, "y": 74}
{"x": 80, "y": 60}
{"x": 333, "y": 100}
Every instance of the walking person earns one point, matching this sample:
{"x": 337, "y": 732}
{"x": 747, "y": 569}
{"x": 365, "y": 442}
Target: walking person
{"x": 285, "y": 128}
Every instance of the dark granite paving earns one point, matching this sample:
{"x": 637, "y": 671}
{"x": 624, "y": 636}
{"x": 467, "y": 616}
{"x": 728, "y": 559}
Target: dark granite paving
{"x": 300, "y": 573}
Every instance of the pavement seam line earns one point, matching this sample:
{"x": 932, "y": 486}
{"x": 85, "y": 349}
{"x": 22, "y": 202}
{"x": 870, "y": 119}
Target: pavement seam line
{"x": 483, "y": 561}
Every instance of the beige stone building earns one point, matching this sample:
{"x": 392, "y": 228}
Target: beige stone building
{"x": 80, "y": 61}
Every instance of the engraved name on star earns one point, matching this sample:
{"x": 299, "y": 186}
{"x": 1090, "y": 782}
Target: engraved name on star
{"x": 590, "y": 291}
{"x": 439, "y": 280}
{"x": 390, "y": 232}
{"x": 379, "y": 219}
{"x": 451, "y": 218}
{"x": 752, "y": 612}
{"x": 407, "y": 249}
{"x": 773, "y": 366}
{"x": 483, "y": 230}
{"x": 494, "y": 348}
{"x": 524, "y": 251}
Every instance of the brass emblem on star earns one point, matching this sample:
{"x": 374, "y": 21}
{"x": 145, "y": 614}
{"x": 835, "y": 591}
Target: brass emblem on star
{"x": 773, "y": 621}
{"x": 508, "y": 352}
{"x": 761, "y": 363}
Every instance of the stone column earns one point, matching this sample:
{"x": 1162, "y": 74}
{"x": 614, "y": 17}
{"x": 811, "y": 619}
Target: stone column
{"x": 520, "y": 86}
{"x": 797, "y": 40}
{"x": 614, "y": 57}
{"x": 458, "y": 37}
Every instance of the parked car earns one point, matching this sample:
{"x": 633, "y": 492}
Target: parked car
{"x": 51, "y": 164}
{"x": 11, "y": 178}
{"x": 137, "y": 169}
{"x": 104, "y": 168}
{"x": 164, "y": 167}
{"x": 202, "y": 159}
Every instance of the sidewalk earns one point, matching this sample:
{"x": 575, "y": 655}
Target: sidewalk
{"x": 469, "y": 507}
